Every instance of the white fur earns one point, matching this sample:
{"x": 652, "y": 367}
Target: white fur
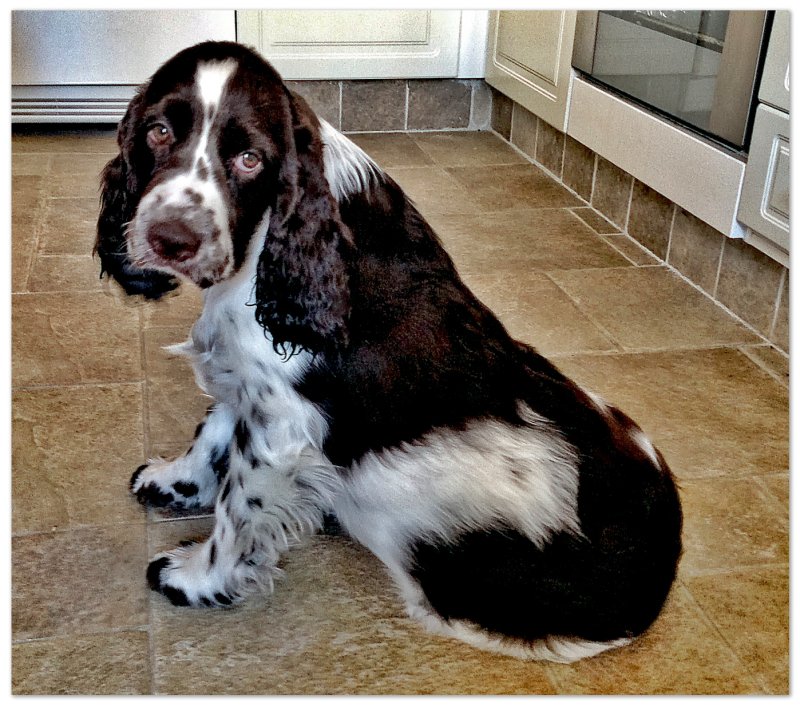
{"x": 348, "y": 168}
{"x": 210, "y": 80}
{"x": 491, "y": 474}
{"x": 644, "y": 443}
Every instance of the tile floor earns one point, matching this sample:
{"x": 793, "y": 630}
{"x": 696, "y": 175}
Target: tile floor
{"x": 94, "y": 395}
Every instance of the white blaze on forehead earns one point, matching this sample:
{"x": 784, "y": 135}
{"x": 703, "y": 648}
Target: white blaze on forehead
{"x": 210, "y": 79}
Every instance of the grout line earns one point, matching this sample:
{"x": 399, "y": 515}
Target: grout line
{"x": 671, "y": 229}
{"x": 408, "y": 94}
{"x": 607, "y": 334}
{"x": 510, "y": 139}
{"x": 90, "y": 384}
{"x": 638, "y": 351}
{"x": 719, "y": 268}
{"x": 341, "y": 104}
{"x": 778, "y": 301}
{"x": 594, "y": 178}
{"x": 625, "y": 226}
{"x": 762, "y": 365}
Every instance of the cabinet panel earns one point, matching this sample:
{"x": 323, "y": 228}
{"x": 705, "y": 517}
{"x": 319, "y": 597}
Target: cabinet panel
{"x": 529, "y": 60}
{"x": 355, "y": 44}
{"x": 774, "y": 87}
{"x": 765, "y": 193}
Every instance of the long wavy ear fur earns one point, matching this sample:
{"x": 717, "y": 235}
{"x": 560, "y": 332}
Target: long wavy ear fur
{"x": 118, "y": 200}
{"x": 302, "y": 289}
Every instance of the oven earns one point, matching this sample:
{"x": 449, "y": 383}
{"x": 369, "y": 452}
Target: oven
{"x": 698, "y": 68}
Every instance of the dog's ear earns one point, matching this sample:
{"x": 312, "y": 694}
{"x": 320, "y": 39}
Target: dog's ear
{"x": 302, "y": 284}
{"x": 119, "y": 197}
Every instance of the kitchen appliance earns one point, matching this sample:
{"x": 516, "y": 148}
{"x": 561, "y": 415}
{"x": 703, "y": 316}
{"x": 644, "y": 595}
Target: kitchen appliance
{"x": 699, "y": 68}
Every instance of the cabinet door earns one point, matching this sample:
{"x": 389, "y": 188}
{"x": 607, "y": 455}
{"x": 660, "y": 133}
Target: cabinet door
{"x": 529, "y": 59}
{"x": 355, "y": 44}
{"x": 775, "y": 79}
{"x": 765, "y": 203}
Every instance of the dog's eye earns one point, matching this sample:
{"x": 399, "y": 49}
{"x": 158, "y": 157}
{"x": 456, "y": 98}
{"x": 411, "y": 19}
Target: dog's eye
{"x": 247, "y": 163}
{"x": 159, "y": 135}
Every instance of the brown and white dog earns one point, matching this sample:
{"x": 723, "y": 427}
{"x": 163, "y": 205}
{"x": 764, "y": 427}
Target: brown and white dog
{"x": 354, "y": 373}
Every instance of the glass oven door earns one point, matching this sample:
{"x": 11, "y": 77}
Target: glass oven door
{"x": 698, "y": 67}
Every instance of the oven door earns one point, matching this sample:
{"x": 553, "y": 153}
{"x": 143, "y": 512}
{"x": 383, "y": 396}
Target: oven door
{"x": 699, "y": 68}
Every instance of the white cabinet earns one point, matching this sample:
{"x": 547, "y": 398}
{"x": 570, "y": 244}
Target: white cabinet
{"x": 356, "y": 44}
{"x": 765, "y": 203}
{"x": 529, "y": 59}
{"x": 70, "y": 66}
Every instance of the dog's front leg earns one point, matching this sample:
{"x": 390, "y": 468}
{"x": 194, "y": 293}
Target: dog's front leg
{"x": 264, "y": 506}
{"x": 192, "y": 479}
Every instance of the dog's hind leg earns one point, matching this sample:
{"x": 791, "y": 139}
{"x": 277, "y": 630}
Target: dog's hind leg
{"x": 192, "y": 479}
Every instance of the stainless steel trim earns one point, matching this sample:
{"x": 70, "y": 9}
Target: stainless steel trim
{"x": 734, "y": 96}
{"x": 585, "y": 37}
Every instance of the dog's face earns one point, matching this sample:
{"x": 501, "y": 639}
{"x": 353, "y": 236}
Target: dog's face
{"x": 211, "y": 149}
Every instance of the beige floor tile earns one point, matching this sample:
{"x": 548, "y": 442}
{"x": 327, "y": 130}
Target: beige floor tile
{"x": 62, "y": 140}
{"x": 27, "y": 203}
{"x": 63, "y": 273}
{"x": 777, "y": 485}
{"x": 433, "y": 190}
{"x": 473, "y": 149}
{"x": 99, "y": 664}
{"x": 30, "y": 164}
{"x": 342, "y": 631}
{"x": 174, "y": 404}
{"x": 632, "y": 250}
{"x": 771, "y": 360}
{"x": 69, "y": 226}
{"x": 730, "y": 524}
{"x": 680, "y": 655}
{"x": 74, "y": 449}
{"x": 651, "y": 308}
{"x": 712, "y": 413}
{"x": 538, "y": 239}
{"x": 77, "y": 175}
{"x": 67, "y": 338}
{"x": 391, "y": 149}
{"x": 596, "y": 221}
{"x": 512, "y": 187}
{"x": 78, "y": 581}
{"x": 178, "y": 309}
{"x": 732, "y": 600}
{"x": 534, "y": 310}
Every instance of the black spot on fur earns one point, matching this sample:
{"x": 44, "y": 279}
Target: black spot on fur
{"x": 220, "y": 458}
{"x": 255, "y": 503}
{"x": 175, "y": 595}
{"x": 212, "y": 554}
{"x": 152, "y": 495}
{"x": 223, "y": 599}
{"x": 135, "y": 476}
{"x": 225, "y": 491}
{"x": 199, "y": 428}
{"x": 241, "y": 434}
{"x": 186, "y": 488}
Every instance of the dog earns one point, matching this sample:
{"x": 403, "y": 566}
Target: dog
{"x": 355, "y": 374}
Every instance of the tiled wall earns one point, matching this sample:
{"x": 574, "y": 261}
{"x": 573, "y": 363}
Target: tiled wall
{"x": 751, "y": 285}
{"x": 397, "y": 105}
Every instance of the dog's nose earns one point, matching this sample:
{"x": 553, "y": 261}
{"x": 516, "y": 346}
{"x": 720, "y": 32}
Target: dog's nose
{"x": 173, "y": 240}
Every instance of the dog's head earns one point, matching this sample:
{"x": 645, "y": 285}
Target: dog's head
{"x": 210, "y": 149}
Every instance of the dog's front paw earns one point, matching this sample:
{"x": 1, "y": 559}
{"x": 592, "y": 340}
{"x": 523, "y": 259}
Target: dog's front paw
{"x": 182, "y": 576}
{"x": 163, "y": 485}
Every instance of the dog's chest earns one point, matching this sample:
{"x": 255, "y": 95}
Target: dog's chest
{"x": 235, "y": 363}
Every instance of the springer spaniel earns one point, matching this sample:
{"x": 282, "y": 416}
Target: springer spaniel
{"x": 354, "y": 373}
